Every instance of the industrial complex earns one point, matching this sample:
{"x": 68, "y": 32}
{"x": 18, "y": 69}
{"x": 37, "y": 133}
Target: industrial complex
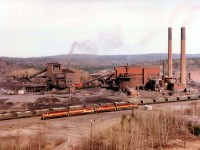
{"x": 57, "y": 77}
{"x": 99, "y": 75}
{"x": 61, "y": 92}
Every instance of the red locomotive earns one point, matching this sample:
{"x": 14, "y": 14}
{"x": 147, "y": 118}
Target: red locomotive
{"x": 80, "y": 110}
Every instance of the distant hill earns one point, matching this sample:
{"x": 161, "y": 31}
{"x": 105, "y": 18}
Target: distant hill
{"x": 84, "y": 60}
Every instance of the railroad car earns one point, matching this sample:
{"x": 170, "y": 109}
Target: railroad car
{"x": 6, "y": 116}
{"x": 105, "y": 107}
{"x": 58, "y": 109}
{"x": 193, "y": 97}
{"x": 136, "y": 102}
{"x": 124, "y": 105}
{"x": 77, "y": 110}
{"x": 159, "y": 100}
{"x": 55, "y": 114}
{"x": 40, "y": 112}
{"x": 171, "y": 99}
{"x": 23, "y": 114}
{"x": 133, "y": 102}
{"x": 182, "y": 98}
{"x": 147, "y": 101}
{"x": 89, "y": 109}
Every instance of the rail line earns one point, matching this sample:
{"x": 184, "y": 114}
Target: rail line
{"x": 96, "y": 108}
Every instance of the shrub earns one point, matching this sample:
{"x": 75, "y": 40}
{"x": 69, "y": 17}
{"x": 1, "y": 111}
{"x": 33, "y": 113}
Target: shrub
{"x": 141, "y": 130}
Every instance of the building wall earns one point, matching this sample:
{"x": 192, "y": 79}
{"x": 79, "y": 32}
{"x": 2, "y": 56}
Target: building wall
{"x": 73, "y": 78}
{"x": 151, "y": 73}
{"x": 56, "y": 72}
{"x": 139, "y": 76}
{"x": 120, "y": 70}
{"x": 179, "y": 86}
{"x": 77, "y": 77}
{"x": 53, "y": 68}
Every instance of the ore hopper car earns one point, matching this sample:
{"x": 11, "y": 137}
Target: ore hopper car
{"x": 58, "y": 109}
{"x": 182, "y": 98}
{"x": 159, "y": 100}
{"x": 171, "y": 99}
{"x": 193, "y": 97}
{"x": 6, "y": 116}
{"x": 23, "y": 114}
{"x": 40, "y": 112}
{"x": 124, "y": 105}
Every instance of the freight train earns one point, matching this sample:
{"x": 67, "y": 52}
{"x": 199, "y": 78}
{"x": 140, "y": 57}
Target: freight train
{"x": 79, "y": 109}
{"x": 68, "y": 111}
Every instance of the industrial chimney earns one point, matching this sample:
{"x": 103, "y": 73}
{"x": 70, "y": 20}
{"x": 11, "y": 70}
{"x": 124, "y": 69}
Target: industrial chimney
{"x": 183, "y": 57}
{"x": 169, "y": 52}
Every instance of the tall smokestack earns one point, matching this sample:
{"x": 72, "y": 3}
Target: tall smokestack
{"x": 183, "y": 57}
{"x": 169, "y": 52}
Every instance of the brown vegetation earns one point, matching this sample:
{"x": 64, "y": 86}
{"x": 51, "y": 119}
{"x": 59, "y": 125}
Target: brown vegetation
{"x": 142, "y": 130}
{"x": 19, "y": 142}
{"x": 37, "y": 141}
{"x": 23, "y": 72}
{"x": 195, "y": 110}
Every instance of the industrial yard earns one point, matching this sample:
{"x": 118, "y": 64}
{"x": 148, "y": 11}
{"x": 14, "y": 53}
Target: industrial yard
{"x": 63, "y": 133}
{"x": 99, "y": 75}
{"x": 58, "y": 106}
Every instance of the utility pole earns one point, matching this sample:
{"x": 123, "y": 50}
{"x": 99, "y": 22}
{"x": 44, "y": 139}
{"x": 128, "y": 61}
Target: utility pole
{"x": 91, "y": 127}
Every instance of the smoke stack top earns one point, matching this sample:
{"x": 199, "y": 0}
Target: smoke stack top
{"x": 169, "y": 33}
{"x": 182, "y": 33}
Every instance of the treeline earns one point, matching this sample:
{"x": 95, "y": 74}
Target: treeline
{"x": 190, "y": 63}
{"x": 93, "y": 69}
{"x": 92, "y": 63}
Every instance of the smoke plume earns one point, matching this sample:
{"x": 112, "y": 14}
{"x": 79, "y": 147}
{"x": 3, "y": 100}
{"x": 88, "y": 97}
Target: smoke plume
{"x": 188, "y": 8}
{"x": 105, "y": 41}
{"x": 191, "y": 14}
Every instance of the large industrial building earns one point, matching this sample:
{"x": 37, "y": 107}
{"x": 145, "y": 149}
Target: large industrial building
{"x": 61, "y": 76}
{"x": 135, "y": 76}
{"x": 54, "y": 76}
{"x": 139, "y": 76}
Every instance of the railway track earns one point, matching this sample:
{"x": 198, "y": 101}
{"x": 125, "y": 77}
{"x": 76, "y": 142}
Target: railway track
{"x": 80, "y": 110}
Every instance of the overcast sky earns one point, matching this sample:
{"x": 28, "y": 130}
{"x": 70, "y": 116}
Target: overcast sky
{"x": 31, "y": 28}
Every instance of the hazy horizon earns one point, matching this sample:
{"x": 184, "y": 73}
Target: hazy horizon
{"x": 35, "y": 28}
{"x": 96, "y": 55}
